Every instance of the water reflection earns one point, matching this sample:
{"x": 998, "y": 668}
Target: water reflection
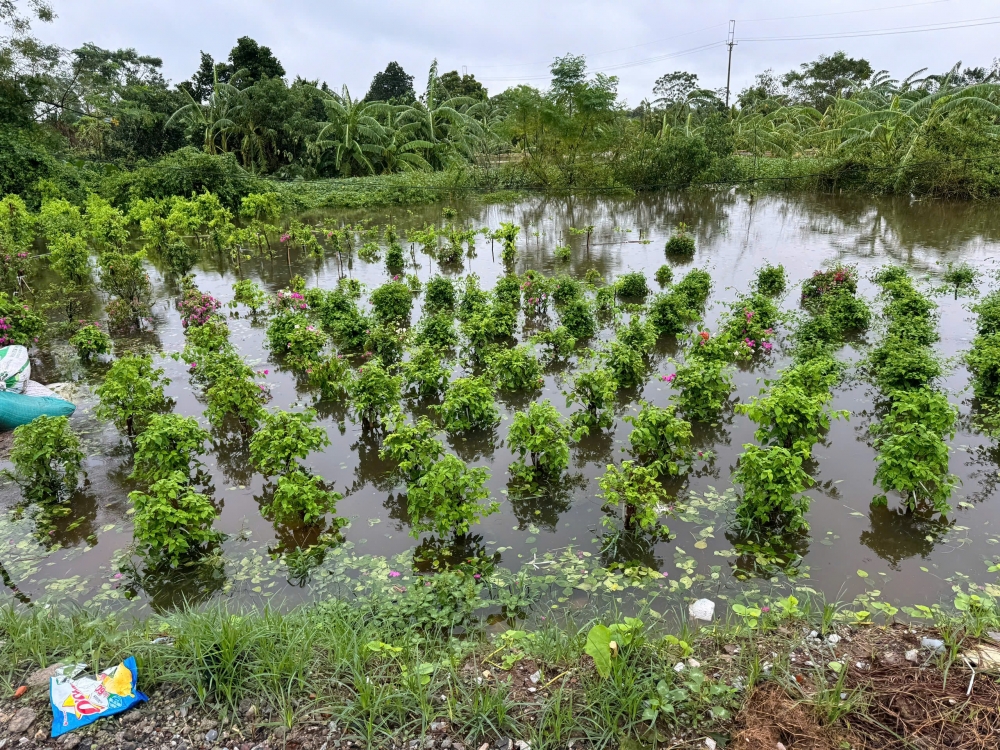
{"x": 895, "y": 534}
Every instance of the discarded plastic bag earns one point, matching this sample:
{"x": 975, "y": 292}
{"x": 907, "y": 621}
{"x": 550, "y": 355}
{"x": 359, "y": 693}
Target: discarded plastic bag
{"x": 78, "y": 701}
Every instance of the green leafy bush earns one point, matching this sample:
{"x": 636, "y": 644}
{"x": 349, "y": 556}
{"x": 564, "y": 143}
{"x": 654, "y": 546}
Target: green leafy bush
{"x": 18, "y": 323}
{"x": 211, "y": 336}
{"x": 565, "y": 289}
{"x": 671, "y": 313}
{"x": 449, "y": 498}
{"x": 577, "y": 318}
{"x": 374, "y": 393}
{"x": 637, "y": 493}
{"x": 131, "y": 393}
{"x": 279, "y": 330}
{"x": 515, "y": 369}
{"x": 793, "y": 412}
{"x": 632, "y": 285}
{"x": 283, "y": 437}
{"x": 983, "y": 361}
{"x": 542, "y": 435}
{"x": 913, "y": 455}
{"x": 468, "y": 405}
{"x": 414, "y": 447}
{"x": 437, "y": 331}
{"x": 90, "y": 340}
{"x": 124, "y": 277}
{"x": 837, "y": 280}
{"x": 703, "y": 387}
{"x": 172, "y": 521}
{"x": 440, "y": 294}
{"x": 69, "y": 256}
{"x": 594, "y": 391}
{"x": 772, "y": 480}
{"x": 47, "y": 459}
{"x": 391, "y": 304}
{"x": 988, "y": 312}
{"x": 332, "y": 376}
{"x": 558, "y": 342}
{"x": 902, "y": 364}
{"x": 638, "y": 334}
{"x": 771, "y": 280}
{"x": 58, "y": 217}
{"x": 961, "y": 277}
{"x": 681, "y": 243}
{"x": 508, "y": 290}
{"x": 301, "y": 496}
{"x": 167, "y": 445}
{"x": 386, "y": 343}
{"x": 473, "y": 300}
{"x": 236, "y": 395}
{"x": 626, "y": 364}
{"x": 304, "y": 346}
{"x": 426, "y": 374}
{"x": 248, "y": 292}
{"x": 695, "y": 287}
{"x": 660, "y": 439}
{"x": 664, "y": 275}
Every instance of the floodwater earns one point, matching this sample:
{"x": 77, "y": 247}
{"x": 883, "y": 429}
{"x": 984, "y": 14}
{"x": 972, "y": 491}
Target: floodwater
{"x": 851, "y": 549}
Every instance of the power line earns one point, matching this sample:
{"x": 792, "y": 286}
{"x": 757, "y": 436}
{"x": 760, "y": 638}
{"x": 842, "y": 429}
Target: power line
{"x": 843, "y": 12}
{"x": 947, "y": 26}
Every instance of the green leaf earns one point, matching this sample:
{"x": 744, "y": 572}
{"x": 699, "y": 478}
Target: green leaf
{"x": 599, "y": 649}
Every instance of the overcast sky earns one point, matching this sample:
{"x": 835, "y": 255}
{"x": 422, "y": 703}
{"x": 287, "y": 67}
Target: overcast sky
{"x": 504, "y": 43}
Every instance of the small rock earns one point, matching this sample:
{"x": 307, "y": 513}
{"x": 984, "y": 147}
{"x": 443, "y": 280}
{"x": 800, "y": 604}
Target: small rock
{"x": 694, "y": 663}
{"x": 535, "y": 677}
{"x": 211, "y": 735}
{"x": 428, "y": 743}
{"x": 780, "y": 746}
{"x": 890, "y": 659}
{"x": 703, "y": 609}
{"x": 833, "y": 638}
{"x": 532, "y": 690}
{"x": 813, "y": 633}
{"x": 42, "y": 676}
{"x": 70, "y": 741}
{"x": 22, "y": 720}
{"x": 458, "y": 746}
{"x": 994, "y": 635}
{"x": 933, "y": 644}
{"x": 731, "y": 648}
{"x": 679, "y": 666}
{"x": 912, "y": 655}
{"x": 505, "y": 743}
{"x": 522, "y": 745}
{"x": 710, "y": 743}
{"x": 439, "y": 726}
{"x": 485, "y": 746}
{"x": 39, "y": 735}
{"x": 446, "y": 743}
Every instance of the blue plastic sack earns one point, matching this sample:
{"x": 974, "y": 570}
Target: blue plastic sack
{"x": 78, "y": 701}
{"x": 17, "y": 409}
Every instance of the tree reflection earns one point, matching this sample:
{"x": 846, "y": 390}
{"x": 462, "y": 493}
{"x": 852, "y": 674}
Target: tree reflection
{"x": 168, "y": 587}
{"x": 542, "y": 504}
{"x": 895, "y": 534}
{"x": 766, "y": 558}
{"x": 467, "y": 553}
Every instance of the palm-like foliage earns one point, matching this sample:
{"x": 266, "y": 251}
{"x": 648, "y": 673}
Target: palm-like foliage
{"x": 215, "y": 119}
{"x": 353, "y": 133}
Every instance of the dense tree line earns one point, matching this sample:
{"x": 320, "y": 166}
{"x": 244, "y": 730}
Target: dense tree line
{"x": 70, "y": 119}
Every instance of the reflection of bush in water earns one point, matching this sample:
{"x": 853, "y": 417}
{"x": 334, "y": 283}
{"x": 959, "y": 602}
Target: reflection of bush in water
{"x": 597, "y": 447}
{"x": 896, "y": 535}
{"x": 70, "y": 523}
{"x": 168, "y": 588}
{"x": 626, "y": 547}
{"x": 466, "y": 553}
{"x": 232, "y": 452}
{"x": 371, "y": 469}
{"x": 769, "y": 557}
{"x": 473, "y": 445}
{"x": 542, "y": 504}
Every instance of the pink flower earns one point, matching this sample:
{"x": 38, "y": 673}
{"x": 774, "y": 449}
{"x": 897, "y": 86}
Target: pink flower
{"x": 193, "y": 365}
{"x": 666, "y": 574}
{"x": 669, "y": 378}
{"x": 285, "y": 237}
{"x": 117, "y": 576}
{"x": 767, "y": 346}
{"x": 266, "y": 372}
{"x": 765, "y": 609}
{"x": 477, "y": 576}
{"x": 394, "y": 574}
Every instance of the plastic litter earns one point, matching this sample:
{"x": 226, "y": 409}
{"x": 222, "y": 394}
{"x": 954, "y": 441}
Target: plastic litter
{"x": 15, "y": 368}
{"x": 933, "y": 644}
{"x": 703, "y": 609}
{"x": 78, "y": 701}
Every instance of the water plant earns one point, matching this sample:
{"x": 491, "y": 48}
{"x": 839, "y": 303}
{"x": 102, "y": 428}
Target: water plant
{"x": 413, "y": 446}
{"x": 681, "y": 243}
{"x": 449, "y": 498}
{"x": 301, "y": 496}
{"x": 772, "y": 481}
{"x": 440, "y": 294}
{"x": 172, "y": 521}
{"x": 391, "y": 304}
{"x": 664, "y": 275}
{"x": 626, "y": 364}
{"x": 983, "y": 361}
{"x": 131, "y": 393}
{"x": 282, "y": 438}
{"x": 167, "y": 445}
{"x": 771, "y": 280}
{"x": 426, "y": 373}
{"x": 660, "y": 440}
{"x": 47, "y": 459}
{"x": 235, "y": 395}
{"x": 632, "y": 285}
{"x": 577, "y": 317}
{"x": 374, "y": 394}
{"x": 541, "y": 434}
{"x": 468, "y": 405}
{"x": 594, "y": 390}
{"x": 90, "y": 340}
{"x": 515, "y": 369}
{"x": 332, "y": 376}
{"x": 636, "y": 492}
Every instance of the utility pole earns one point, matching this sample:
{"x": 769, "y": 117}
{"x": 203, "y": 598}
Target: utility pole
{"x": 730, "y": 42}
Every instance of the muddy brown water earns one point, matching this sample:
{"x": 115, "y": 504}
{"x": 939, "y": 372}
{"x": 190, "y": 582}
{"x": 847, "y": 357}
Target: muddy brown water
{"x": 907, "y": 558}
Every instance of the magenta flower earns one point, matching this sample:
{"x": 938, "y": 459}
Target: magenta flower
{"x": 477, "y": 576}
{"x": 394, "y": 574}
{"x": 285, "y": 237}
{"x": 765, "y": 609}
{"x": 767, "y": 346}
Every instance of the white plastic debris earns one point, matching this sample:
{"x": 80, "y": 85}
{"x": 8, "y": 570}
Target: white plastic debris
{"x": 703, "y": 609}
{"x": 932, "y": 644}
{"x": 535, "y": 677}
{"x": 912, "y": 655}
{"x": 679, "y": 666}
{"x": 710, "y": 743}
{"x": 833, "y": 638}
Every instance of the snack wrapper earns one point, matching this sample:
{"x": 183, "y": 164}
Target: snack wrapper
{"x": 78, "y": 701}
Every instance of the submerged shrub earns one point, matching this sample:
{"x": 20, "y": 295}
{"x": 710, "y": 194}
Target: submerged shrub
{"x": 124, "y": 277}
{"x": 515, "y": 369}
{"x": 449, "y": 498}
{"x": 632, "y": 285}
{"x": 440, "y": 294}
{"x": 301, "y": 496}
{"x": 374, "y": 394}
{"x": 664, "y": 275}
{"x": 772, "y": 480}
{"x": 248, "y": 292}
{"x": 771, "y": 280}
{"x": 283, "y": 437}
{"x": 391, "y": 304}
{"x": 69, "y": 256}
{"x": 236, "y": 395}
{"x": 437, "y": 331}
{"x": 386, "y": 343}
{"x": 638, "y": 334}
{"x": 594, "y": 391}
{"x": 167, "y": 445}
{"x": 425, "y": 374}
{"x": 468, "y": 405}
{"x": 90, "y": 340}
{"x": 47, "y": 459}
{"x": 637, "y": 493}
{"x": 840, "y": 278}
{"x": 332, "y": 376}
{"x": 695, "y": 287}
{"x": 566, "y": 289}
{"x": 171, "y": 520}
{"x": 508, "y": 290}
{"x": 541, "y": 434}
{"x": 670, "y": 313}
{"x": 473, "y": 300}
{"x": 913, "y": 455}
{"x": 626, "y": 364}
{"x": 131, "y": 393}
{"x": 703, "y": 386}
{"x": 660, "y": 439}
{"x": 19, "y": 324}
{"x": 558, "y": 342}
{"x": 413, "y": 446}
{"x": 578, "y": 319}
{"x": 903, "y": 364}
{"x": 681, "y": 243}
{"x": 988, "y": 312}
{"x": 983, "y": 361}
